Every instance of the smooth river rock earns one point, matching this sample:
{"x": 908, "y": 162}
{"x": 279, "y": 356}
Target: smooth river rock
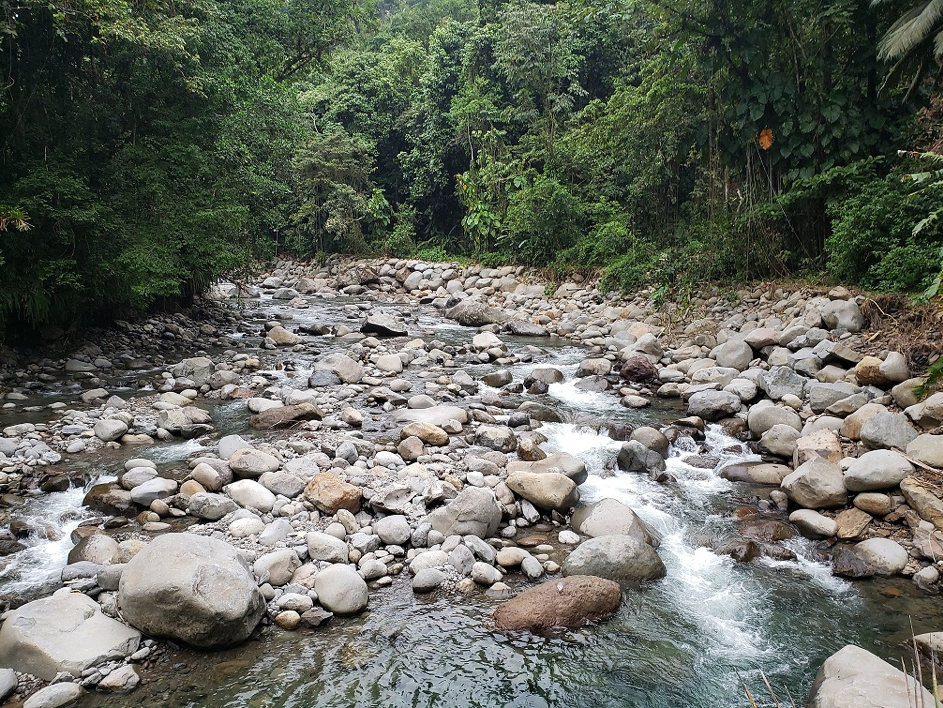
{"x": 568, "y": 602}
{"x": 855, "y": 678}
{"x": 196, "y": 589}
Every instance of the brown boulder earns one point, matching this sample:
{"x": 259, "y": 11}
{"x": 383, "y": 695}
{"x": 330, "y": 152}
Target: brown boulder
{"x": 330, "y": 494}
{"x": 285, "y": 416}
{"x": 638, "y": 369}
{"x": 568, "y": 602}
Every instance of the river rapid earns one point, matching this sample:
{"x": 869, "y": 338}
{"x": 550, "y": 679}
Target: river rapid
{"x": 693, "y": 638}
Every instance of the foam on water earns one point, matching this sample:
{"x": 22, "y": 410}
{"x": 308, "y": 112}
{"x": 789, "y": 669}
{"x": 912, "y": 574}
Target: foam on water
{"x": 42, "y": 561}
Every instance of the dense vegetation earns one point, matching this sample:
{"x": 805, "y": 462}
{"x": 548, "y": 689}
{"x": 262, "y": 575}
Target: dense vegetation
{"x": 149, "y": 147}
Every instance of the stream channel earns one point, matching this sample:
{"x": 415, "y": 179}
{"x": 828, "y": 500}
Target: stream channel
{"x": 691, "y": 639}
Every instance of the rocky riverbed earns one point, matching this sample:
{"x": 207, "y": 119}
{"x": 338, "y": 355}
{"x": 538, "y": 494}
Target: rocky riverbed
{"x": 301, "y": 454}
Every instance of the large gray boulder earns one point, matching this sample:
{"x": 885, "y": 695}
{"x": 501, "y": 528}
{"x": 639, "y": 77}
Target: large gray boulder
{"x": 562, "y": 462}
{"x": 381, "y": 324}
{"x": 342, "y": 366}
{"x": 473, "y": 313}
{"x": 609, "y": 517}
{"x": 198, "y": 369}
{"x": 763, "y": 417}
{"x": 196, "y": 589}
{"x": 623, "y": 559}
{"x": 780, "y": 381}
{"x": 878, "y": 469}
{"x": 713, "y": 405}
{"x": 340, "y": 589}
{"x": 843, "y": 314}
{"x": 855, "y": 678}
{"x": 65, "y": 632}
{"x": 734, "y": 354}
{"x": 550, "y": 491}
{"x": 887, "y": 430}
{"x": 635, "y": 457}
{"x": 475, "y": 511}
{"x": 816, "y": 484}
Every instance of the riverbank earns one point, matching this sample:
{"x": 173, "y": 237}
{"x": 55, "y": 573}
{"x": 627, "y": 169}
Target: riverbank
{"x": 390, "y": 438}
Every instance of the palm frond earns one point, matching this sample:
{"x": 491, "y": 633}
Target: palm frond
{"x": 914, "y": 28}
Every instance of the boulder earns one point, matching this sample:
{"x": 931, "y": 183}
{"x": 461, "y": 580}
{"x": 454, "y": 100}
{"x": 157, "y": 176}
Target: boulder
{"x": 927, "y": 504}
{"x": 887, "y": 430}
{"x": 381, "y": 324}
{"x": 635, "y": 457}
{"x": 277, "y": 567}
{"x": 474, "y": 313}
{"x": 56, "y": 695}
{"x": 157, "y": 488}
{"x": 549, "y": 491}
{"x": 609, "y": 517}
{"x": 195, "y": 589}
{"x": 324, "y": 547}
{"x": 855, "y": 678}
{"x": 816, "y": 484}
{"x": 812, "y": 524}
{"x": 475, "y": 511}
{"x": 714, "y": 405}
{"x": 427, "y": 432}
{"x": 638, "y": 369}
{"x": 875, "y": 470}
{"x": 252, "y": 463}
{"x": 562, "y": 462}
{"x": 342, "y": 366}
{"x": 341, "y": 590}
{"x": 330, "y": 494}
{"x": 210, "y": 507}
{"x": 393, "y": 530}
{"x": 927, "y": 449}
{"x": 285, "y": 416}
{"x": 110, "y": 429}
{"x": 621, "y": 558}
{"x": 65, "y": 632}
{"x": 496, "y": 437}
{"x": 252, "y": 495}
{"x": 734, "y": 354}
{"x": 569, "y": 602}
{"x": 761, "y": 418}
{"x": 843, "y": 314}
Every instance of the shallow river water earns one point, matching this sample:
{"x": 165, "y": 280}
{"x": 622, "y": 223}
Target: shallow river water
{"x": 693, "y": 638}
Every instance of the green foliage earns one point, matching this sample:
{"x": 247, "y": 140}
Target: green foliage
{"x": 873, "y": 243}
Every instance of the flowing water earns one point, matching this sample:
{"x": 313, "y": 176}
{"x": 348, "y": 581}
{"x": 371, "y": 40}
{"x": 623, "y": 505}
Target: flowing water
{"x": 691, "y": 639}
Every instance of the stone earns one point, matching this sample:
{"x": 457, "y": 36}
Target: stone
{"x": 157, "y": 488}
{"x": 851, "y": 428}
{"x": 885, "y": 556}
{"x": 887, "y": 430}
{"x": 474, "y": 511}
{"x": 611, "y": 517}
{"x": 330, "y": 494}
{"x": 427, "y": 580}
{"x": 195, "y": 589}
{"x": 342, "y": 366}
{"x": 734, "y": 354}
{"x": 927, "y": 504}
{"x": 635, "y": 457}
{"x": 65, "y": 632}
{"x": 822, "y": 443}
{"x": 549, "y": 491}
{"x": 381, "y": 324}
{"x": 812, "y": 524}
{"x": 55, "y": 696}
{"x": 110, "y": 429}
{"x": 341, "y": 590}
{"x": 714, "y": 405}
{"x": 284, "y": 483}
{"x": 852, "y": 523}
{"x": 122, "y": 680}
{"x": 637, "y": 369}
{"x": 816, "y": 484}
{"x": 780, "y": 440}
{"x": 8, "y": 683}
{"x": 572, "y": 602}
{"x": 876, "y": 470}
{"x": 473, "y": 313}
{"x": 756, "y": 472}
{"x": 282, "y": 337}
{"x": 855, "y": 678}
{"x": 871, "y": 371}
{"x": 485, "y": 574}
{"x": 212, "y": 477}
{"x": 277, "y": 567}
{"x": 873, "y": 503}
{"x": 389, "y": 363}
{"x": 285, "y": 416}
{"x": 621, "y": 558}
{"x": 927, "y": 449}
{"x": 842, "y": 314}
{"x": 327, "y": 548}
{"x": 562, "y": 462}
{"x": 428, "y": 433}
{"x": 96, "y": 548}
{"x": 761, "y": 418}
{"x": 499, "y": 438}
{"x": 251, "y": 463}
{"x": 252, "y": 495}
{"x": 393, "y": 530}
{"x": 210, "y": 507}
{"x": 781, "y": 381}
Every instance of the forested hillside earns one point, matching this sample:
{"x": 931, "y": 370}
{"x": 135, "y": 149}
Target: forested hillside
{"x": 149, "y": 147}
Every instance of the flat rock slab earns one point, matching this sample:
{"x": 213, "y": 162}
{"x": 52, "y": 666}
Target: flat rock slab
{"x": 855, "y": 678}
{"x": 285, "y": 416}
{"x": 568, "y": 602}
{"x": 64, "y": 632}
